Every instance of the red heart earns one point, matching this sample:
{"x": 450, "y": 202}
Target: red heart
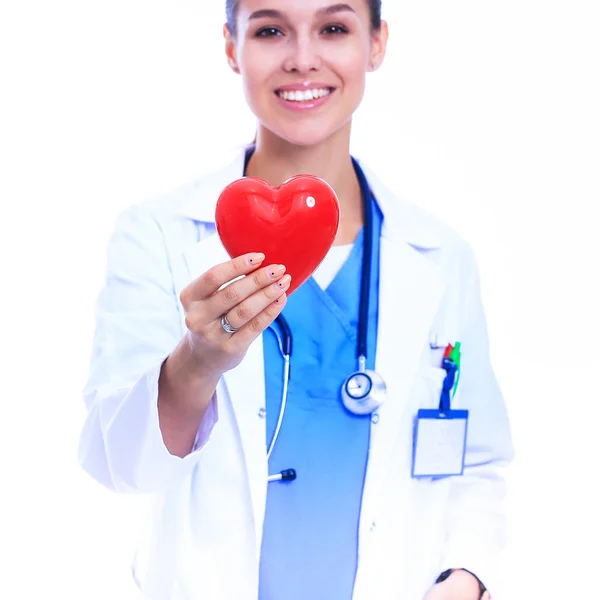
{"x": 293, "y": 225}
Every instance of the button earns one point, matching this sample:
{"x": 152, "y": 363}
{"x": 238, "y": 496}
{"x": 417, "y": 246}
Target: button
{"x": 374, "y": 418}
{"x": 262, "y": 413}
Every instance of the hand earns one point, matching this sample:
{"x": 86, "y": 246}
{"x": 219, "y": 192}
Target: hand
{"x": 459, "y": 586}
{"x": 251, "y": 305}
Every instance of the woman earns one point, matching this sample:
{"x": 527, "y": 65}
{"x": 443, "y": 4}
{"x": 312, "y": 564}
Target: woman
{"x": 185, "y": 387}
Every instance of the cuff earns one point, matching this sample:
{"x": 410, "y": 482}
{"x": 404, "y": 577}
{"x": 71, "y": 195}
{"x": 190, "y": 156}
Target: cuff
{"x": 124, "y": 444}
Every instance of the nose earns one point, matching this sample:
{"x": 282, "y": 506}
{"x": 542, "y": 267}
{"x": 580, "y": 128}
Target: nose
{"x": 303, "y": 57}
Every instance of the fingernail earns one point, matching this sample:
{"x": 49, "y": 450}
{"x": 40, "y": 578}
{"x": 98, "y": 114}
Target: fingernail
{"x": 256, "y": 259}
{"x": 280, "y": 300}
{"x": 284, "y": 281}
{"x": 276, "y": 271}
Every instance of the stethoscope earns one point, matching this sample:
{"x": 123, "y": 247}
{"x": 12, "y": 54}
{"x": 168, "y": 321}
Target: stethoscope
{"x": 363, "y": 391}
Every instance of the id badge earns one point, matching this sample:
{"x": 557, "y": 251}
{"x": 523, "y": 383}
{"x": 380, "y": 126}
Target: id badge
{"x": 439, "y": 443}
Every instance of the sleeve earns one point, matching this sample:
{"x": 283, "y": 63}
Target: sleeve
{"x": 476, "y": 524}
{"x": 137, "y": 325}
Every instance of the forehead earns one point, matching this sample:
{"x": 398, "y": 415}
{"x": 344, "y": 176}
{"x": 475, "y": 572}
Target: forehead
{"x": 248, "y": 9}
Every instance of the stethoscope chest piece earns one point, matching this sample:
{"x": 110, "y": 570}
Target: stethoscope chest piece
{"x": 364, "y": 391}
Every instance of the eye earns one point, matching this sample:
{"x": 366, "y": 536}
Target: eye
{"x": 268, "y": 32}
{"x": 335, "y": 29}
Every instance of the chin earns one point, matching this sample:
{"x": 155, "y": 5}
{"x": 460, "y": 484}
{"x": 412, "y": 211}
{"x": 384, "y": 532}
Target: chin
{"x": 307, "y": 134}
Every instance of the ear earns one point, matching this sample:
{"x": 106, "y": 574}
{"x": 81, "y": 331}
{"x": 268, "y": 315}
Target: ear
{"x": 230, "y": 49}
{"x": 378, "y": 47}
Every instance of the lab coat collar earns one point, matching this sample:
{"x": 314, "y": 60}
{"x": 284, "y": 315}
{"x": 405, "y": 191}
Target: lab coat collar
{"x": 402, "y": 221}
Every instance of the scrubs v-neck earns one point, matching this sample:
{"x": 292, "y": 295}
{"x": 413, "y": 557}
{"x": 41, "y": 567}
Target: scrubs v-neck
{"x": 310, "y": 534}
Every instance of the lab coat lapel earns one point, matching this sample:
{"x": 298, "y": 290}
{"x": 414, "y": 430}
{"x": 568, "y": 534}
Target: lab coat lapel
{"x": 411, "y": 288}
{"x": 245, "y": 383}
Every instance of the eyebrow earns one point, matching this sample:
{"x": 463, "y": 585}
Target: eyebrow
{"x": 276, "y": 14}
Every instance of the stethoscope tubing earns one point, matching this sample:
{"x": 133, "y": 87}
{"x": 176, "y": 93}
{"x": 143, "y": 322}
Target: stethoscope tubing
{"x": 285, "y": 340}
{"x": 284, "y": 394}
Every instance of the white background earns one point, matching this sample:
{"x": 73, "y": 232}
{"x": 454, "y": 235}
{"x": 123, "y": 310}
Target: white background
{"x": 486, "y": 113}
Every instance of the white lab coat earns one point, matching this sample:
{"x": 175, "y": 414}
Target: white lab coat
{"x": 204, "y": 539}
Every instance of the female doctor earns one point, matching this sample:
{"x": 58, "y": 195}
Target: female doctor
{"x": 189, "y": 388}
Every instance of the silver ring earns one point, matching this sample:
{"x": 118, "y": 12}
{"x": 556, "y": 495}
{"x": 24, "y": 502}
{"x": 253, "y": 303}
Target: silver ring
{"x": 226, "y": 325}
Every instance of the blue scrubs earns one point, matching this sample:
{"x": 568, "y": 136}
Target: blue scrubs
{"x": 310, "y": 535}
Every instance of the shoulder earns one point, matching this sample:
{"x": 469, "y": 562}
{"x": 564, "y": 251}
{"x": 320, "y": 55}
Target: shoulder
{"x": 446, "y": 237}
{"x": 177, "y": 215}
{"x": 156, "y": 221}
{"x": 196, "y": 199}
{"x": 426, "y": 233}
{"x": 171, "y": 203}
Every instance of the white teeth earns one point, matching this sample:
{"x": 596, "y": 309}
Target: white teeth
{"x": 304, "y": 96}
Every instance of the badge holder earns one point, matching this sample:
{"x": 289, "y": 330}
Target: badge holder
{"x": 440, "y": 436}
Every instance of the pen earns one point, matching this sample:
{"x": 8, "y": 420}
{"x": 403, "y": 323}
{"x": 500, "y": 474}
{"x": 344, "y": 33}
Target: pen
{"x": 455, "y": 358}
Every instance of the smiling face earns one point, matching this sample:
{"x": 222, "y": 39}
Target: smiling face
{"x": 303, "y": 63}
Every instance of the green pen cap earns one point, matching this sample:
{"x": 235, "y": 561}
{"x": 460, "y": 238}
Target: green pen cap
{"x": 455, "y": 354}
{"x": 455, "y": 358}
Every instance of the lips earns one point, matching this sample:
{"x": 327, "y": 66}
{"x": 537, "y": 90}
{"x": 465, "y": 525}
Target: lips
{"x": 308, "y": 92}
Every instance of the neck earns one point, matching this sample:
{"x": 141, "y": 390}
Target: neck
{"x": 276, "y": 160}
